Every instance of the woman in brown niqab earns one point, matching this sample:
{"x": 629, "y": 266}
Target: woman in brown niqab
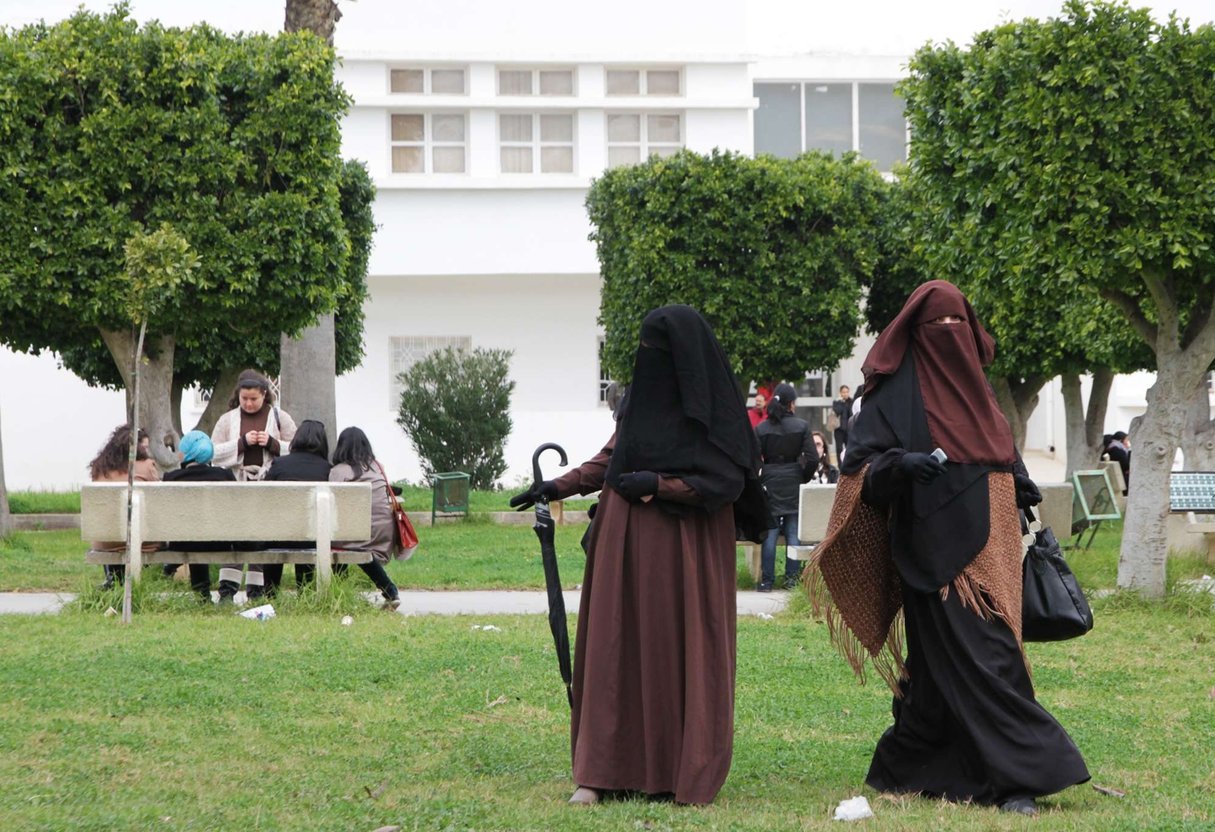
{"x": 653, "y": 708}
{"x": 933, "y": 551}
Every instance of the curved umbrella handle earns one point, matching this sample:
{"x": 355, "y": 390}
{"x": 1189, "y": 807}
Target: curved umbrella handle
{"x": 539, "y": 478}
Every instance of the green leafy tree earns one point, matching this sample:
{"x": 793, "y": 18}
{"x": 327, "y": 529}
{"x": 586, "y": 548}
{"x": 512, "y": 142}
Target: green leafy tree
{"x": 773, "y": 252}
{"x": 107, "y": 127}
{"x": 455, "y": 408}
{"x": 1074, "y": 156}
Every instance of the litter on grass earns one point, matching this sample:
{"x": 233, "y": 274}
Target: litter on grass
{"x": 854, "y": 808}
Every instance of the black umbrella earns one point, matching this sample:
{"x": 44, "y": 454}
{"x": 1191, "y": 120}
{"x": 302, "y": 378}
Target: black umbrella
{"x": 546, "y": 531}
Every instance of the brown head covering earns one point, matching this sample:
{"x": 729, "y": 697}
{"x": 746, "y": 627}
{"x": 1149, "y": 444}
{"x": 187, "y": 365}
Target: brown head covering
{"x": 949, "y": 362}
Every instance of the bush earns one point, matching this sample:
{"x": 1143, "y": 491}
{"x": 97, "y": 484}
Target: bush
{"x": 455, "y": 408}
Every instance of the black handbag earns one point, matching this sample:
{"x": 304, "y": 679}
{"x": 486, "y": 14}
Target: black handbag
{"x": 1053, "y": 607}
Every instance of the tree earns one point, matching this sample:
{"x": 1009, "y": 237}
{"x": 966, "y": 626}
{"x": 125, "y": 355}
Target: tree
{"x": 107, "y": 127}
{"x": 455, "y": 408}
{"x": 1073, "y": 155}
{"x": 773, "y": 252}
{"x": 309, "y": 361}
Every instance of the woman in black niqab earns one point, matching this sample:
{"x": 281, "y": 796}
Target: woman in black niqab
{"x": 684, "y": 415}
{"x": 654, "y": 655}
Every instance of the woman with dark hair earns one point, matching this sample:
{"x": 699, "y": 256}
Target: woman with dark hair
{"x": 354, "y": 461}
{"x": 653, "y": 687}
{"x": 787, "y": 451}
{"x": 110, "y": 465}
{"x": 307, "y": 462}
{"x": 824, "y": 473}
{"x": 253, "y": 432}
{"x": 925, "y": 522}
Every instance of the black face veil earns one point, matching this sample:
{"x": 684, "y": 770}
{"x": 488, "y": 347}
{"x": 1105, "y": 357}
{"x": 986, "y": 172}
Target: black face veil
{"x": 684, "y": 415}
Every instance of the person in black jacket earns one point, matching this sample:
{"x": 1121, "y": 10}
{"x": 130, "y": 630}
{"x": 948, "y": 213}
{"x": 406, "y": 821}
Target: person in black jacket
{"x": 196, "y": 452}
{"x": 788, "y": 455}
{"x": 842, "y": 407}
{"x": 307, "y": 462}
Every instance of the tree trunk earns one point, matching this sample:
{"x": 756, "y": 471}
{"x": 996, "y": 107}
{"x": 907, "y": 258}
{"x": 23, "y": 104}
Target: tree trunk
{"x": 155, "y": 392}
{"x": 317, "y": 16}
{"x": 1018, "y": 398}
{"x": 1084, "y": 425}
{"x": 217, "y": 406}
{"x": 308, "y": 377}
{"x": 1155, "y": 439}
{"x": 6, "y": 520}
{"x": 175, "y": 405}
{"x": 1198, "y": 434}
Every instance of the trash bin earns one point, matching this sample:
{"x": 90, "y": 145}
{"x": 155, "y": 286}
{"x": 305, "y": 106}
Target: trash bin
{"x": 450, "y": 494}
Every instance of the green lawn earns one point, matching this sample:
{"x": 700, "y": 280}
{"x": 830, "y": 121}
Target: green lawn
{"x": 300, "y": 723}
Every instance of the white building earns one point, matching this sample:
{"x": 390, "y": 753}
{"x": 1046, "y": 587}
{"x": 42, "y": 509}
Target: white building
{"x": 482, "y": 139}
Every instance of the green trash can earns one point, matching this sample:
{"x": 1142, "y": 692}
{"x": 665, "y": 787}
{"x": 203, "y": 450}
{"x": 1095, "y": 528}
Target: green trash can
{"x": 450, "y": 495}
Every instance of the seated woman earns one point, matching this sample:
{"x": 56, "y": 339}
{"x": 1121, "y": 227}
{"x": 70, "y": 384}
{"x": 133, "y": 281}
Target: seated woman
{"x": 110, "y": 465}
{"x": 354, "y": 461}
{"x": 196, "y": 452}
{"x": 307, "y": 462}
{"x": 824, "y": 473}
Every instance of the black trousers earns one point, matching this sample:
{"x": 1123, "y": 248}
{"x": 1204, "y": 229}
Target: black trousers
{"x": 305, "y": 573}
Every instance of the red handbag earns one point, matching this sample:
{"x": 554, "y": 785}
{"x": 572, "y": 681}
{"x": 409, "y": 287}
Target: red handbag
{"x": 405, "y": 539}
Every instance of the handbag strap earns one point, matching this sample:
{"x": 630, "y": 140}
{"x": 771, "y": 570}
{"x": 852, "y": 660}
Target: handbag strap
{"x": 392, "y": 498}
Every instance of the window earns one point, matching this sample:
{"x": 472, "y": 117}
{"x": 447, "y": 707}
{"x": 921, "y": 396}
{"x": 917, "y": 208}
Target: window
{"x": 778, "y": 120}
{"x": 634, "y": 137}
{"x": 643, "y": 82}
{"x": 427, "y": 81}
{"x": 535, "y": 82}
{"x": 536, "y": 142}
{"x": 835, "y": 117}
{"x": 428, "y": 142}
{"x": 405, "y": 351}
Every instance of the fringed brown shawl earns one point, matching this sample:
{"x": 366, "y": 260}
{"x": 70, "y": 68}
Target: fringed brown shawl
{"x": 853, "y": 583}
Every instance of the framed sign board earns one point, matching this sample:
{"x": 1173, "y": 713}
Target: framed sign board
{"x": 1192, "y": 491}
{"x": 1095, "y": 496}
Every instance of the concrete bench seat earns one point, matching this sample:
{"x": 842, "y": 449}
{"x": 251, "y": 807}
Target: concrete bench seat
{"x": 228, "y": 512}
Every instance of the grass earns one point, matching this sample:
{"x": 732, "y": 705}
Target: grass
{"x": 301, "y": 723}
{"x": 474, "y": 554}
{"x": 44, "y": 502}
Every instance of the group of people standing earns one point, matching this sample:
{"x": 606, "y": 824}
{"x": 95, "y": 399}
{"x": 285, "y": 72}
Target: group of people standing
{"x": 912, "y": 539}
{"x": 256, "y": 440}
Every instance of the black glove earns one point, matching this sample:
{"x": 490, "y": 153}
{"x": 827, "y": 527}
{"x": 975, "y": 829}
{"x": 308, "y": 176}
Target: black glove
{"x": 921, "y": 467}
{"x": 636, "y": 485}
{"x": 1027, "y": 493}
{"x": 527, "y": 499}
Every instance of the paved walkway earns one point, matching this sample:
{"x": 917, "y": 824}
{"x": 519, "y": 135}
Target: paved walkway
{"x": 422, "y": 602}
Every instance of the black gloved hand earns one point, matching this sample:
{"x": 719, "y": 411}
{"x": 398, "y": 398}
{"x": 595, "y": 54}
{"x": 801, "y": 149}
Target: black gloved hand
{"x": 636, "y": 485}
{"x": 1027, "y": 492}
{"x": 526, "y": 499}
{"x": 921, "y": 467}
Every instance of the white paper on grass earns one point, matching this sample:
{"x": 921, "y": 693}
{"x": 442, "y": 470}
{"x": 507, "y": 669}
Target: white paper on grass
{"x": 854, "y": 808}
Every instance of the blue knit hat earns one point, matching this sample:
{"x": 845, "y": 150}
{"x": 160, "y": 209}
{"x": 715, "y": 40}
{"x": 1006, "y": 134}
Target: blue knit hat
{"x": 196, "y": 447}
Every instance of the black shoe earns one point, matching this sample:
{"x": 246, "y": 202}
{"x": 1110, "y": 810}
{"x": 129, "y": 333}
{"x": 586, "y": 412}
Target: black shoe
{"x": 764, "y": 586}
{"x": 1020, "y": 806}
{"x": 792, "y": 582}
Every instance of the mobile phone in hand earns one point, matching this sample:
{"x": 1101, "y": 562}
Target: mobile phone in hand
{"x": 939, "y": 456}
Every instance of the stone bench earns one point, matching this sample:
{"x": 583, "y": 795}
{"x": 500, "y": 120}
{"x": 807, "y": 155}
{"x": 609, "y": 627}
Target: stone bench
{"x": 228, "y": 512}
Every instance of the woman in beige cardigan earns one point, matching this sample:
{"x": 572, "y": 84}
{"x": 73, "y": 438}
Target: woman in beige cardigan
{"x": 249, "y": 436}
{"x": 247, "y": 439}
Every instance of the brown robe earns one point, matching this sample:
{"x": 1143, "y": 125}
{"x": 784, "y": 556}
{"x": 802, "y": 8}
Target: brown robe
{"x": 655, "y": 649}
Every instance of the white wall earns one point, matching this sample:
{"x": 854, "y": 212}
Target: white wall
{"x": 549, "y": 322}
{"x": 53, "y": 423}
{"x": 482, "y": 232}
